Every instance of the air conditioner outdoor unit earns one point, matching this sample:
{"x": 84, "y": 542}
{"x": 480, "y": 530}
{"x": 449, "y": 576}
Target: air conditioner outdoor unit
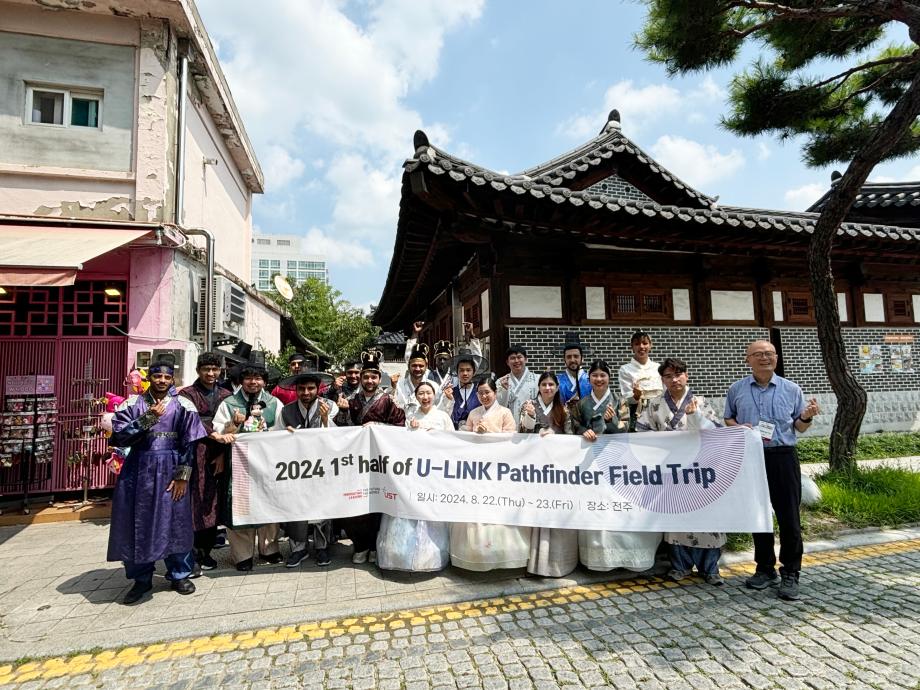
{"x": 229, "y": 308}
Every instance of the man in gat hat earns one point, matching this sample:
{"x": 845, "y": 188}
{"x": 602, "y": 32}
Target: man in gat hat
{"x": 151, "y": 507}
{"x": 210, "y": 455}
{"x": 371, "y": 405}
{"x": 574, "y": 382}
{"x": 297, "y": 363}
{"x": 308, "y": 411}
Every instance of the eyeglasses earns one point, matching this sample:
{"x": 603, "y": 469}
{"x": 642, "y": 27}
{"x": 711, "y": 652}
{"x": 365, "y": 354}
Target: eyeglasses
{"x": 762, "y": 355}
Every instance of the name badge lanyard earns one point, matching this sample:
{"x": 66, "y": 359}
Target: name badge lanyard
{"x": 773, "y": 418}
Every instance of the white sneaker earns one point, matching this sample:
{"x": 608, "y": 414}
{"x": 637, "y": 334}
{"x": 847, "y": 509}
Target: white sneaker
{"x": 372, "y": 557}
{"x": 360, "y": 556}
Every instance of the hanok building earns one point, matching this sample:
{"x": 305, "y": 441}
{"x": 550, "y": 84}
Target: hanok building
{"x": 604, "y": 240}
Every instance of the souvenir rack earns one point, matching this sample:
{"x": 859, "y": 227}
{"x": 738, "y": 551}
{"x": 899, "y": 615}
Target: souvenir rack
{"x": 27, "y": 433}
{"x": 84, "y": 438}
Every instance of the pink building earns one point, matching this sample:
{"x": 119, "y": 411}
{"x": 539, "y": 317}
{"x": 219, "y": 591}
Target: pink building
{"x": 126, "y": 183}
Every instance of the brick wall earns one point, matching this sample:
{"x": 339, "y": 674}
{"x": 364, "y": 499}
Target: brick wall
{"x": 617, "y": 187}
{"x": 803, "y": 364}
{"x": 715, "y": 356}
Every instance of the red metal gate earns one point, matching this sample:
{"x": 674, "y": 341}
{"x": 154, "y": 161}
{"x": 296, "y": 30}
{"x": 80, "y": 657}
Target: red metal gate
{"x": 57, "y": 331}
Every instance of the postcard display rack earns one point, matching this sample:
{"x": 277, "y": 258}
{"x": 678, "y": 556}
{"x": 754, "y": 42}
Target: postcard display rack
{"x": 27, "y": 433}
{"x": 84, "y": 436}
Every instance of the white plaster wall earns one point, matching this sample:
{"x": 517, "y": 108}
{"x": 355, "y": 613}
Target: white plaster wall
{"x": 732, "y": 305}
{"x": 262, "y": 327}
{"x": 595, "y": 308}
{"x": 842, "y": 306}
{"x": 916, "y": 300}
{"x": 535, "y": 301}
{"x": 215, "y": 196}
{"x": 777, "y": 305}
{"x": 484, "y": 306}
{"x": 680, "y": 298}
{"x": 874, "y": 306}
{"x": 67, "y": 63}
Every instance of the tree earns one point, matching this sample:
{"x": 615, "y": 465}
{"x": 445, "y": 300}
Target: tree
{"x": 323, "y": 316}
{"x": 828, "y": 77}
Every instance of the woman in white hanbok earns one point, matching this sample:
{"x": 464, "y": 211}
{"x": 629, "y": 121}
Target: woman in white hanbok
{"x": 596, "y": 414}
{"x": 480, "y": 546}
{"x": 417, "y": 545}
{"x": 553, "y": 552}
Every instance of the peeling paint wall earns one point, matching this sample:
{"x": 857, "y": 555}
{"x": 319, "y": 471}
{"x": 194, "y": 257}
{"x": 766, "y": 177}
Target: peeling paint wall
{"x": 44, "y": 196}
{"x": 156, "y": 121}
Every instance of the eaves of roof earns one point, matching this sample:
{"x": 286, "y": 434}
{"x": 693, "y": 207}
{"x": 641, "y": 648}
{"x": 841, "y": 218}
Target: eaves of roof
{"x": 880, "y": 195}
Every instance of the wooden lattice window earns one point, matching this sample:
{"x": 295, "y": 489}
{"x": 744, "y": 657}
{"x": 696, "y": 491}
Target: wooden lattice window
{"x": 799, "y": 307}
{"x": 647, "y": 305}
{"x": 472, "y": 312}
{"x": 899, "y": 308}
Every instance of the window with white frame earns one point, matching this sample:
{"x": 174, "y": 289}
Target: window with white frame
{"x": 63, "y": 107}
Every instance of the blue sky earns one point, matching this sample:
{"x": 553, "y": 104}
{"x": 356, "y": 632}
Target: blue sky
{"x": 331, "y": 92}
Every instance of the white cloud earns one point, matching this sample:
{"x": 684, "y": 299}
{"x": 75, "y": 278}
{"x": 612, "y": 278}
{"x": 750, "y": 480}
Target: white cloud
{"x": 366, "y": 199}
{"x": 800, "y": 198}
{"x": 637, "y": 106}
{"x": 642, "y": 105}
{"x": 763, "y": 151}
{"x": 696, "y": 163}
{"x": 304, "y": 67}
{"x": 280, "y": 167}
{"x": 913, "y": 174}
{"x": 882, "y": 179}
{"x": 347, "y": 253}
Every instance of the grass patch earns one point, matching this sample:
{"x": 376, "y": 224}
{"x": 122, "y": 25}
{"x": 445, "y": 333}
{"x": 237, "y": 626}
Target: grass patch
{"x": 881, "y": 496}
{"x": 868, "y": 447}
{"x": 877, "y": 497}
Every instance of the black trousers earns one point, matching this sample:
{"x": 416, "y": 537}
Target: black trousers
{"x": 362, "y": 530}
{"x": 784, "y": 477}
{"x": 206, "y": 538}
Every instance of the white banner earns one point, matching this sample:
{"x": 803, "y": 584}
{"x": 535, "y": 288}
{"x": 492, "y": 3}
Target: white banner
{"x": 712, "y": 481}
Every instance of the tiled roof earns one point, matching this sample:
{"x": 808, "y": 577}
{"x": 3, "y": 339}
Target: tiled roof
{"x": 439, "y": 163}
{"x": 880, "y": 195}
{"x": 390, "y": 338}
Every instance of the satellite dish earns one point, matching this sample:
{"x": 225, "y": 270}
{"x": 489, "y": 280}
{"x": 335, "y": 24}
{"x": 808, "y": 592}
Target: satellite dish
{"x": 283, "y": 287}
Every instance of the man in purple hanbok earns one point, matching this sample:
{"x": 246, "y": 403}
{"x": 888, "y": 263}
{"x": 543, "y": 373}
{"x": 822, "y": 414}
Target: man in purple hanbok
{"x": 151, "y": 507}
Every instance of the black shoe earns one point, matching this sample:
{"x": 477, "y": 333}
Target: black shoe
{"x": 761, "y": 580}
{"x": 244, "y": 566}
{"x": 322, "y": 557}
{"x": 789, "y": 587}
{"x": 296, "y": 558}
{"x": 137, "y": 592}
{"x": 183, "y": 586}
{"x": 273, "y": 558}
{"x": 205, "y": 561}
{"x": 196, "y": 570}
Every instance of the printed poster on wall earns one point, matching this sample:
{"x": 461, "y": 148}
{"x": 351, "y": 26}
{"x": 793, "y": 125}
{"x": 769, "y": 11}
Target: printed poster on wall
{"x": 870, "y": 359}
{"x": 901, "y": 359}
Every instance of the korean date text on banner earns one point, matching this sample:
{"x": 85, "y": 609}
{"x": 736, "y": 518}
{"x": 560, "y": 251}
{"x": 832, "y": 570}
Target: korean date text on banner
{"x": 710, "y": 481}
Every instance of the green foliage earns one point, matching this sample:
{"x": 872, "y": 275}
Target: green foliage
{"x": 868, "y": 447}
{"x": 837, "y": 112}
{"x": 881, "y": 496}
{"x": 323, "y": 316}
{"x": 738, "y": 541}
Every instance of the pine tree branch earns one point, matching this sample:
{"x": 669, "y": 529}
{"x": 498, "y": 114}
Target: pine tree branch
{"x": 866, "y": 65}
{"x": 787, "y": 12}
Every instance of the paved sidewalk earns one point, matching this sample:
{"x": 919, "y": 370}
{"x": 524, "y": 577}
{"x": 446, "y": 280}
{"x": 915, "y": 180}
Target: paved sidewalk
{"x": 857, "y": 626}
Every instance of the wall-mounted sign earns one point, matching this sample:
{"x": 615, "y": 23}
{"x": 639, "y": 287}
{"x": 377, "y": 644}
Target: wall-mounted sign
{"x": 899, "y": 339}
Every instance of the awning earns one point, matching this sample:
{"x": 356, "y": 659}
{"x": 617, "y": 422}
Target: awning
{"x": 52, "y": 255}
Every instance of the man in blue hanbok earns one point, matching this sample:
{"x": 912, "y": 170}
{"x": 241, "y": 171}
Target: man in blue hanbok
{"x": 574, "y": 383}
{"x": 151, "y": 507}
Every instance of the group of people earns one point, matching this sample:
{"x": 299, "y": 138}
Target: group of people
{"x": 176, "y": 485}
